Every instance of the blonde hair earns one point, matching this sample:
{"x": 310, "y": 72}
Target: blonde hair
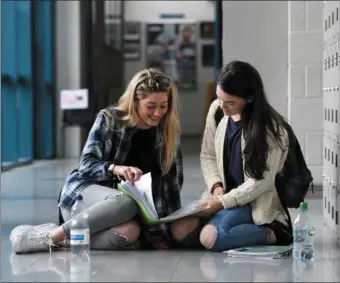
{"x": 141, "y": 85}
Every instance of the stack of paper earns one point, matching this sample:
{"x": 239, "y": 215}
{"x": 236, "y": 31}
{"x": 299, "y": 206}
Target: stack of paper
{"x": 261, "y": 252}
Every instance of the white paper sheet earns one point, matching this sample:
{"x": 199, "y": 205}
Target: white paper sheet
{"x": 144, "y": 186}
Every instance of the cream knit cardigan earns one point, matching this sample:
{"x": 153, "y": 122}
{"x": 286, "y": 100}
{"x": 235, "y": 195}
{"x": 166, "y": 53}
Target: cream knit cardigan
{"x": 262, "y": 195}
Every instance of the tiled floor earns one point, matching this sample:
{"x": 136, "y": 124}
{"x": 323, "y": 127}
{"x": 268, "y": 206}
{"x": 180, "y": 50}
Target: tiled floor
{"x": 28, "y": 195}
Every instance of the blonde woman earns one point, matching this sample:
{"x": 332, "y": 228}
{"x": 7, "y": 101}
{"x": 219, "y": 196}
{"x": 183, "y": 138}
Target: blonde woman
{"x": 138, "y": 135}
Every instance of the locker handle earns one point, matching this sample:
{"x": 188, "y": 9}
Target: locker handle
{"x": 23, "y": 82}
{"x": 7, "y": 80}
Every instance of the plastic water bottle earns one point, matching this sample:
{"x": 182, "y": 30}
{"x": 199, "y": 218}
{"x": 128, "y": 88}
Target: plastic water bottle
{"x": 304, "y": 234}
{"x": 79, "y": 229}
{"x": 80, "y": 268}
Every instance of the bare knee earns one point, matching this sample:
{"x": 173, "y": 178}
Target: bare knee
{"x": 129, "y": 230}
{"x": 208, "y": 236}
{"x": 183, "y": 227}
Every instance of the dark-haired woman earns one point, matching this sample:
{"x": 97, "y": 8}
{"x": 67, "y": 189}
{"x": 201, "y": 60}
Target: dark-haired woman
{"x": 240, "y": 158}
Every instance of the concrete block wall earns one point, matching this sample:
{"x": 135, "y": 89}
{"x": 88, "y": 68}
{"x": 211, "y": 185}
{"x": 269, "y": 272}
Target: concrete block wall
{"x": 305, "y": 79}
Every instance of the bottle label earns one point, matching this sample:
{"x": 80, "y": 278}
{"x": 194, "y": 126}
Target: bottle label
{"x": 299, "y": 235}
{"x": 80, "y": 237}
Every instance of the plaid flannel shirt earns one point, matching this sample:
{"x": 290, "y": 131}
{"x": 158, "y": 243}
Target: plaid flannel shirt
{"x": 109, "y": 142}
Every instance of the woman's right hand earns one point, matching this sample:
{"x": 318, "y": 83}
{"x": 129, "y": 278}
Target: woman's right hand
{"x": 129, "y": 173}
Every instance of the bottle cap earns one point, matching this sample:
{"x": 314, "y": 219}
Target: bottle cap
{"x": 304, "y": 206}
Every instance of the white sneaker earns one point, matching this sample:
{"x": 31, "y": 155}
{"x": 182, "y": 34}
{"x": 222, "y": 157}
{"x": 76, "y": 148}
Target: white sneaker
{"x": 28, "y": 238}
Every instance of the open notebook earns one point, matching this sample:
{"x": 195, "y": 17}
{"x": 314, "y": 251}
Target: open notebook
{"x": 261, "y": 252}
{"x": 141, "y": 192}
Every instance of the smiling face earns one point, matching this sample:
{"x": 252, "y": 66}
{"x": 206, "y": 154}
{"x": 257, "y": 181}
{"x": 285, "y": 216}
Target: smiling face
{"x": 230, "y": 104}
{"x": 152, "y": 109}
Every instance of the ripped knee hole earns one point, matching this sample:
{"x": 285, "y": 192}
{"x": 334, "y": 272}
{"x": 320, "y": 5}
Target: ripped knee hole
{"x": 130, "y": 231}
{"x": 208, "y": 236}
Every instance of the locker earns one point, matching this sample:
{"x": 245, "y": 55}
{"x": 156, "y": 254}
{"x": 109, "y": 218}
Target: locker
{"x": 43, "y": 85}
{"x": 24, "y": 81}
{"x": 337, "y": 236}
{"x": 328, "y": 181}
{"x": 335, "y": 193}
{"x": 331, "y": 116}
{"x": 9, "y": 119}
{"x": 16, "y": 76}
{"x": 325, "y": 180}
{"x": 333, "y": 187}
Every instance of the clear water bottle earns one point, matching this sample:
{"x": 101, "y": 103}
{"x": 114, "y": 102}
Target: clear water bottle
{"x": 304, "y": 234}
{"x": 80, "y": 268}
{"x": 79, "y": 229}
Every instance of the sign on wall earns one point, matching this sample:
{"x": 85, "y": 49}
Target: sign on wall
{"x": 74, "y": 99}
{"x": 171, "y": 47}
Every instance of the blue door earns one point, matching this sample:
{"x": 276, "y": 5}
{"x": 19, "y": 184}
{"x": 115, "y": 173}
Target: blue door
{"x": 16, "y": 104}
{"x": 44, "y": 79}
{"x": 9, "y": 118}
{"x": 24, "y": 81}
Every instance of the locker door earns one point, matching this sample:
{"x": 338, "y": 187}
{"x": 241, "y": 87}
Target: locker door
{"x": 336, "y": 194}
{"x": 43, "y": 82}
{"x": 9, "y": 118}
{"x": 24, "y": 79}
{"x": 337, "y": 226}
{"x": 333, "y": 186}
{"x": 324, "y": 180}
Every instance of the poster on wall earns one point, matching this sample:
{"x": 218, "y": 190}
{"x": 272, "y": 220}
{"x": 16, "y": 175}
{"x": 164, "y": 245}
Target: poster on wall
{"x": 172, "y": 49}
{"x": 132, "y": 41}
{"x": 207, "y": 30}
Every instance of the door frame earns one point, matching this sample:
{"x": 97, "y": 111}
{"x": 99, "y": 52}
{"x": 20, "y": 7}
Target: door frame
{"x": 218, "y": 33}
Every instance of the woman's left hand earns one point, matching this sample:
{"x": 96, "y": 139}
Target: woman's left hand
{"x": 214, "y": 205}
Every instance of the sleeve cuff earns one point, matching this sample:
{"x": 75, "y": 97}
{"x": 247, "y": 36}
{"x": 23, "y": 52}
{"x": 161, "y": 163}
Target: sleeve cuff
{"x": 228, "y": 201}
{"x": 107, "y": 172}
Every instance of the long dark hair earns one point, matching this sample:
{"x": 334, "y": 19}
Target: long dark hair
{"x": 259, "y": 118}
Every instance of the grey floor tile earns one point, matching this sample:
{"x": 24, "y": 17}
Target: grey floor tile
{"x": 154, "y": 266}
{"x": 9, "y": 266}
{"x": 334, "y": 267}
{"x": 211, "y": 267}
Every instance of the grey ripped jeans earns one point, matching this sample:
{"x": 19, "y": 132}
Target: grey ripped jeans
{"x": 106, "y": 208}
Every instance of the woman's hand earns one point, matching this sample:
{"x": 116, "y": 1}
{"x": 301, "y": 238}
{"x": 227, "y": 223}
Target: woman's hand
{"x": 213, "y": 205}
{"x": 218, "y": 191}
{"x": 130, "y": 174}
